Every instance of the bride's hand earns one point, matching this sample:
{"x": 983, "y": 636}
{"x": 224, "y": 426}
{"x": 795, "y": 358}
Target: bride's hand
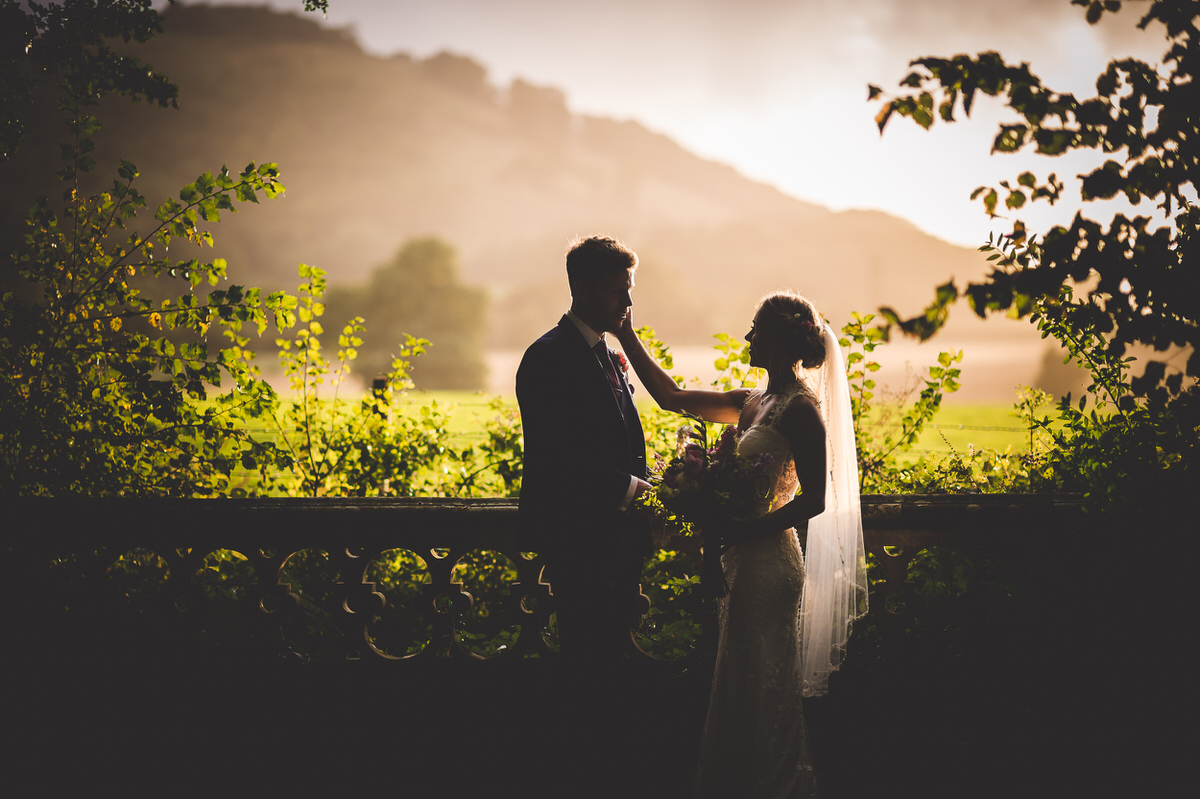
{"x": 626, "y": 332}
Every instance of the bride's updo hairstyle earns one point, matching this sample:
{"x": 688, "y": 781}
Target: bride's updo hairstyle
{"x": 794, "y": 326}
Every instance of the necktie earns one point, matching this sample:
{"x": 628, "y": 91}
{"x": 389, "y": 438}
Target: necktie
{"x": 601, "y": 351}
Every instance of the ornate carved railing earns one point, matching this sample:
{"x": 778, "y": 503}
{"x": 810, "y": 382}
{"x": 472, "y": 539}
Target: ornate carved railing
{"x": 94, "y": 534}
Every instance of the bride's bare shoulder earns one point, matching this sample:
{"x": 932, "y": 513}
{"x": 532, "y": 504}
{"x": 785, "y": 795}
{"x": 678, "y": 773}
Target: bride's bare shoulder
{"x": 801, "y": 414}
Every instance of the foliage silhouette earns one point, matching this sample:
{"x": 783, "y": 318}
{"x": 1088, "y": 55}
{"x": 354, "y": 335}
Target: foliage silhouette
{"x": 1143, "y": 286}
{"x": 70, "y": 42}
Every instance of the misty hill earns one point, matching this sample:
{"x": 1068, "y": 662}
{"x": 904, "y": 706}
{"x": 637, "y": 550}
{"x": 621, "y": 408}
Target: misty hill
{"x": 375, "y": 151}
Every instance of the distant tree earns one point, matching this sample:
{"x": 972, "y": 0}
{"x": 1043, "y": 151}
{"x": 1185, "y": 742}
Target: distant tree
{"x": 418, "y": 293}
{"x": 1142, "y": 282}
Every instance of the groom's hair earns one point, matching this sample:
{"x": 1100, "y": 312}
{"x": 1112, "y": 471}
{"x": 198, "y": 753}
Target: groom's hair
{"x": 588, "y": 259}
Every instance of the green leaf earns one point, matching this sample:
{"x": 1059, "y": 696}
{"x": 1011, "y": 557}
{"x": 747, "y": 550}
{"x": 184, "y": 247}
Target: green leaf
{"x": 989, "y": 202}
{"x": 946, "y": 293}
{"x": 885, "y": 113}
{"x": 922, "y": 116}
{"x": 205, "y": 183}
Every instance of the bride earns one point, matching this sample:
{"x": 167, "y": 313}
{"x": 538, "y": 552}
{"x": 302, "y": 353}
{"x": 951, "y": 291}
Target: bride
{"x": 786, "y": 618}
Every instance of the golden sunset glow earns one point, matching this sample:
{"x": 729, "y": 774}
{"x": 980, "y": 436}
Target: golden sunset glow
{"x": 777, "y": 88}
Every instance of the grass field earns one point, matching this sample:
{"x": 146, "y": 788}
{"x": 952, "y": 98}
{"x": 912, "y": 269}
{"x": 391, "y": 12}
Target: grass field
{"x": 959, "y": 427}
{"x": 955, "y": 426}
{"x": 467, "y": 409}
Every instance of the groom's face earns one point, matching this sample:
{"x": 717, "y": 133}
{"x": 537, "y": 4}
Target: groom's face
{"x": 605, "y": 303}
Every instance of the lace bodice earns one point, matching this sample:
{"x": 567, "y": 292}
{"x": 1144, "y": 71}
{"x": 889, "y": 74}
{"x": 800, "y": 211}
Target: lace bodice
{"x": 765, "y": 437}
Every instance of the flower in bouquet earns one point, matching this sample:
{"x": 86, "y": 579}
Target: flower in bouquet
{"x": 711, "y": 488}
{"x": 715, "y": 486}
{"x": 695, "y": 460}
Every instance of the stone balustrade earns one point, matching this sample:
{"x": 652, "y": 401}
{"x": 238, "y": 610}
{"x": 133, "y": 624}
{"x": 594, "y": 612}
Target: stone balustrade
{"x": 352, "y": 534}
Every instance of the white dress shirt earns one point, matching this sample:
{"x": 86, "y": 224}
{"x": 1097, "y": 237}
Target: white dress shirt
{"x": 591, "y": 337}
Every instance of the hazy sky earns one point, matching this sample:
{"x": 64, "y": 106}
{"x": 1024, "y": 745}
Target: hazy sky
{"x": 777, "y": 88}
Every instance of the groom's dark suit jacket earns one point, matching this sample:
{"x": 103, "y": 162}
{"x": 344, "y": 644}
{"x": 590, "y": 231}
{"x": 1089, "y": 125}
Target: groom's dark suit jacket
{"x": 583, "y": 441}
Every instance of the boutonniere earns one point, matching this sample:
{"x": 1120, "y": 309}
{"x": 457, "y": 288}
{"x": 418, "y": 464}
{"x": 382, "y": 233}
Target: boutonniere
{"x": 624, "y": 364}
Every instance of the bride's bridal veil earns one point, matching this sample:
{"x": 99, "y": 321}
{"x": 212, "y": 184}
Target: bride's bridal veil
{"x": 835, "y": 581}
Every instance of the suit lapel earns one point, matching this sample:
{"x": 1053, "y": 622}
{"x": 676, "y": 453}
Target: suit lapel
{"x": 594, "y": 367}
{"x": 630, "y": 426}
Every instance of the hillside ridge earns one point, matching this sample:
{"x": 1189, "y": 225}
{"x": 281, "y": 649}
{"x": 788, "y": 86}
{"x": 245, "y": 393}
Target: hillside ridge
{"x": 376, "y": 151}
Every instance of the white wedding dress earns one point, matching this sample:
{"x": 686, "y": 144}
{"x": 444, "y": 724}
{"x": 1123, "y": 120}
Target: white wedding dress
{"x": 755, "y": 743}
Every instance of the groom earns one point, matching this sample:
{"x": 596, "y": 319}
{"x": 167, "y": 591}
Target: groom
{"x": 585, "y": 460}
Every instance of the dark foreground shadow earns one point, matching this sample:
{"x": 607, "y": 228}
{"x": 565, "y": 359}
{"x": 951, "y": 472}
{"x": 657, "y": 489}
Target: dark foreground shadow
{"x": 1077, "y": 692}
{"x": 213, "y": 730}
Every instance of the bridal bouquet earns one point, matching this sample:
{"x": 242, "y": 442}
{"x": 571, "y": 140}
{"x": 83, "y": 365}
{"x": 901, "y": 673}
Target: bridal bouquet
{"x": 709, "y": 488}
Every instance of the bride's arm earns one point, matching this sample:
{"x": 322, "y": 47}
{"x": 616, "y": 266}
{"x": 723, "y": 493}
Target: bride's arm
{"x": 714, "y": 406}
{"x": 804, "y": 430}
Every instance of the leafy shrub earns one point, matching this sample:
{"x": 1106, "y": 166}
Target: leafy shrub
{"x": 339, "y": 448}
{"x": 874, "y": 438}
{"x": 95, "y": 397}
{"x": 678, "y": 606}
